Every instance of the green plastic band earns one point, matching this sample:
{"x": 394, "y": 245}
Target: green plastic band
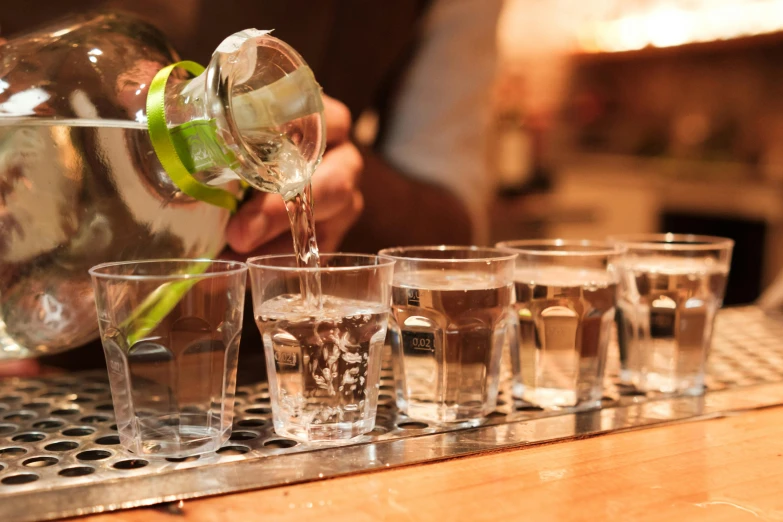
{"x": 156, "y": 306}
{"x": 160, "y": 135}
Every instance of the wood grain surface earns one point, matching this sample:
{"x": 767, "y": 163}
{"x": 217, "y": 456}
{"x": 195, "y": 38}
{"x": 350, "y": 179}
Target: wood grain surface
{"x": 728, "y": 469}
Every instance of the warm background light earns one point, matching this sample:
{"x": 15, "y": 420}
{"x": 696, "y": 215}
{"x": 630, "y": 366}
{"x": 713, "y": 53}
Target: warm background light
{"x": 628, "y": 25}
{"x": 668, "y": 24}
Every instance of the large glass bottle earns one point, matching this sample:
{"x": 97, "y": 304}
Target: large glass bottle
{"x": 81, "y": 181}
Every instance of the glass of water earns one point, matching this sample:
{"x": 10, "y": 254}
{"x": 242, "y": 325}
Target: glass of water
{"x": 566, "y": 293}
{"x": 450, "y": 307}
{"x": 170, "y": 332}
{"x": 672, "y": 286}
{"x": 324, "y": 353}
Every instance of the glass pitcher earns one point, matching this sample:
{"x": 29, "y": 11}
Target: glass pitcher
{"x": 109, "y": 151}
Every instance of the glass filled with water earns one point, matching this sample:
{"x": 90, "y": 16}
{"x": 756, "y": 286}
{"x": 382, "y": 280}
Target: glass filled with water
{"x": 671, "y": 288}
{"x": 170, "y": 332}
{"x": 566, "y": 293}
{"x": 450, "y": 308}
{"x": 323, "y": 351}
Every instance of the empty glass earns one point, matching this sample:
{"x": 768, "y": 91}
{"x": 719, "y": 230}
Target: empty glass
{"x": 323, "y": 358}
{"x": 170, "y": 331}
{"x": 671, "y": 289}
{"x": 565, "y": 307}
{"x": 450, "y": 307}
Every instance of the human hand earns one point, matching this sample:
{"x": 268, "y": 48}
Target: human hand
{"x": 261, "y": 225}
{"x": 19, "y": 368}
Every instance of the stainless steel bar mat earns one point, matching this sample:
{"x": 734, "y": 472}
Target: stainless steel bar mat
{"x": 60, "y": 453}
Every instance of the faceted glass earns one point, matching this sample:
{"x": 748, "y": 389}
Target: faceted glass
{"x": 323, "y": 355}
{"x": 450, "y": 307}
{"x": 671, "y": 288}
{"x": 565, "y": 304}
{"x": 170, "y": 332}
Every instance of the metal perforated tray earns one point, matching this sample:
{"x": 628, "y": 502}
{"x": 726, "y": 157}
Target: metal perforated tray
{"x": 60, "y": 453}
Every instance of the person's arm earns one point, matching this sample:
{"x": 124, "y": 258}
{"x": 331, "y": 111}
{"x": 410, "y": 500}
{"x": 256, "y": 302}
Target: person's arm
{"x": 431, "y": 185}
{"x": 401, "y": 210}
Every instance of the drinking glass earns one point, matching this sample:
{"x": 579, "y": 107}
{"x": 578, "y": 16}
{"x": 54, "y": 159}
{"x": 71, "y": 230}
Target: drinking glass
{"x": 566, "y": 293}
{"x": 323, "y": 353}
{"x": 450, "y": 308}
{"x": 671, "y": 288}
{"x": 170, "y": 331}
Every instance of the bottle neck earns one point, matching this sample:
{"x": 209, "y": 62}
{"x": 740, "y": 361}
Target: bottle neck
{"x": 194, "y": 131}
{"x": 236, "y": 120}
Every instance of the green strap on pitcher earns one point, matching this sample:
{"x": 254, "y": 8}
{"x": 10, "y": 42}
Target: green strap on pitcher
{"x": 166, "y": 149}
{"x": 171, "y": 148}
{"x": 156, "y": 306}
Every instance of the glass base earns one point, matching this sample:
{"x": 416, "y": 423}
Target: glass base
{"x": 629, "y": 377}
{"x": 550, "y": 398}
{"x": 327, "y": 432}
{"x": 473, "y": 412}
{"x": 671, "y": 384}
{"x": 557, "y": 398}
{"x": 174, "y": 442}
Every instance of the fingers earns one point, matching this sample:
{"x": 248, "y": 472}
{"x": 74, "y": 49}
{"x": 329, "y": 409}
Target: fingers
{"x": 282, "y": 244}
{"x": 336, "y": 179}
{"x": 20, "y": 368}
{"x": 330, "y": 233}
{"x": 264, "y": 216}
{"x": 258, "y": 221}
{"x": 338, "y": 121}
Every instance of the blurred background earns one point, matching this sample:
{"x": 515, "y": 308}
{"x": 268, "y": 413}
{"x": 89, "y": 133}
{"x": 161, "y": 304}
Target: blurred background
{"x": 643, "y": 116}
{"x": 599, "y": 117}
{"x": 488, "y": 120}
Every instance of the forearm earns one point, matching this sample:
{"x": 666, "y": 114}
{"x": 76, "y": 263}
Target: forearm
{"x": 400, "y": 210}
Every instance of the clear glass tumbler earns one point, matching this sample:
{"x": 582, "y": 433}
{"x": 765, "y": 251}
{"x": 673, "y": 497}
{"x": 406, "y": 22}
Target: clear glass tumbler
{"x": 566, "y": 293}
{"x": 450, "y": 307}
{"x": 323, "y": 354}
{"x": 671, "y": 288}
{"x": 170, "y": 332}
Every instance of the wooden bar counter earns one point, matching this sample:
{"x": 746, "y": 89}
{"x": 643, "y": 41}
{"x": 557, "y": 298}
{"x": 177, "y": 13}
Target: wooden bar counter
{"x": 725, "y": 469}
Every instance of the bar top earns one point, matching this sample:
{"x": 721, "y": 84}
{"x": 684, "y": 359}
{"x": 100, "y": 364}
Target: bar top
{"x": 722, "y": 469}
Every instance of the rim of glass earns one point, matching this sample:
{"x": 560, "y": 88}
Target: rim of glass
{"x": 595, "y": 248}
{"x": 670, "y": 241}
{"x": 257, "y": 262}
{"x": 236, "y": 267}
{"x": 494, "y": 254}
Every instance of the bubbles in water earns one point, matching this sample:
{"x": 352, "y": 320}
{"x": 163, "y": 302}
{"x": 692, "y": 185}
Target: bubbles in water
{"x": 320, "y": 376}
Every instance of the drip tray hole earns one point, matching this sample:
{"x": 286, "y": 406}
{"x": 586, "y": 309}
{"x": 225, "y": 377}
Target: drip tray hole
{"x": 64, "y": 445}
{"x": 233, "y": 450}
{"x": 130, "y": 464}
{"x": 93, "y": 455}
{"x": 40, "y": 462}
{"x": 280, "y": 443}
{"x": 78, "y": 471}
{"x": 413, "y": 425}
{"x": 22, "y": 478}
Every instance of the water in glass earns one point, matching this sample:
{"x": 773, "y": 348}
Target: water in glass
{"x": 448, "y": 333}
{"x": 564, "y": 317}
{"x": 326, "y": 365}
{"x": 665, "y": 317}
